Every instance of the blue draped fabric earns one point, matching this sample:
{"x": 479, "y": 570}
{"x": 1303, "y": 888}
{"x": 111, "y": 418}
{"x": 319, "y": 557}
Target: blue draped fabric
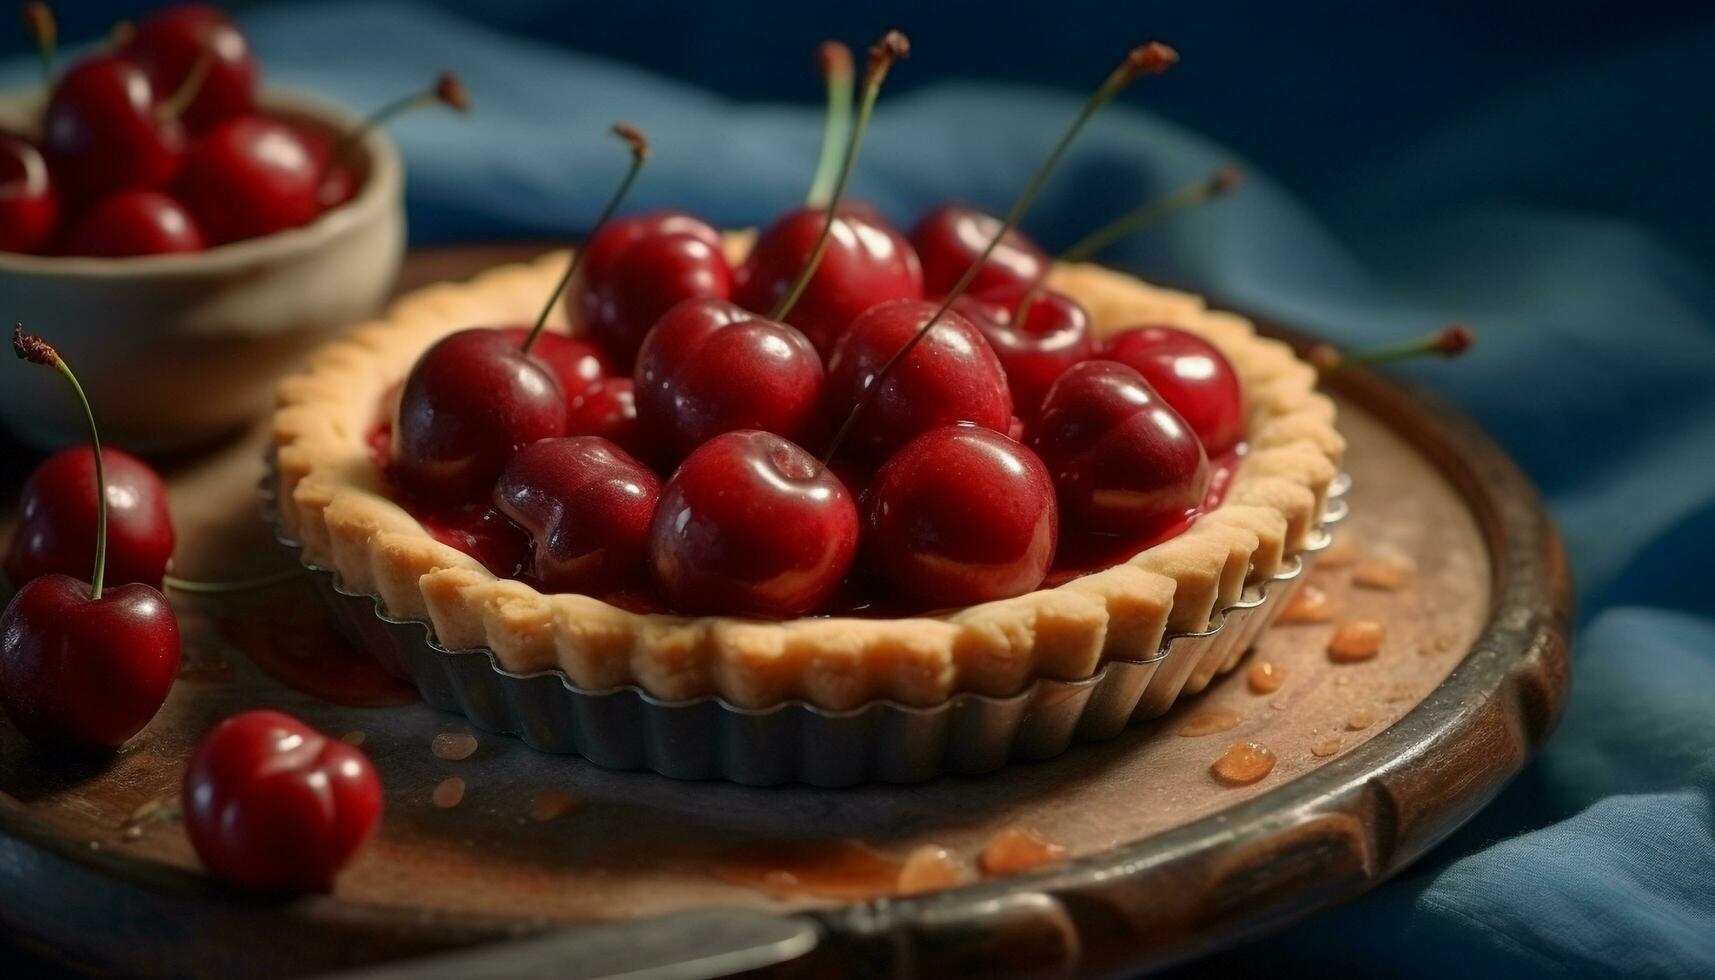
{"x": 1558, "y": 198}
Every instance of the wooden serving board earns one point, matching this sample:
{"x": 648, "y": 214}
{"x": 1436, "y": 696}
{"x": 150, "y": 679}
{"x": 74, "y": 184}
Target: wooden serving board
{"x": 1377, "y": 761}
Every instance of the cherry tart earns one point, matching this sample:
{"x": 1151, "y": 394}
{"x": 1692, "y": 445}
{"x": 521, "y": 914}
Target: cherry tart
{"x": 1012, "y": 501}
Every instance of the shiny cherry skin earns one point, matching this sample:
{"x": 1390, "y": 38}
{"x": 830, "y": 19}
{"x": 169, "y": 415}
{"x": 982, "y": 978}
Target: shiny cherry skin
{"x": 134, "y": 222}
{"x": 609, "y": 410}
{"x": 621, "y": 233}
{"x": 470, "y": 402}
{"x": 952, "y": 376}
{"x": 102, "y": 131}
{"x": 951, "y": 237}
{"x": 338, "y": 183}
{"x": 960, "y": 515}
{"x": 642, "y": 282}
{"x": 1124, "y": 463}
{"x": 586, "y": 504}
{"x": 29, "y": 197}
{"x": 168, "y": 45}
{"x": 251, "y": 176}
{"x": 1191, "y": 375}
{"x": 752, "y": 525}
{"x": 85, "y": 673}
{"x": 57, "y": 516}
{"x": 866, "y": 262}
{"x": 710, "y": 366}
{"x": 272, "y": 805}
{"x": 1056, "y": 334}
{"x": 577, "y": 363}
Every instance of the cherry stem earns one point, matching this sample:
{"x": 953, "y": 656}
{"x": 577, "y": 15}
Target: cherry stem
{"x": 447, "y": 91}
{"x": 33, "y": 348}
{"x": 836, "y": 62}
{"x": 639, "y": 146}
{"x": 1221, "y": 182}
{"x": 188, "y": 90}
{"x": 892, "y": 47}
{"x": 1449, "y": 341}
{"x": 249, "y": 584}
{"x": 39, "y": 18}
{"x": 1147, "y": 59}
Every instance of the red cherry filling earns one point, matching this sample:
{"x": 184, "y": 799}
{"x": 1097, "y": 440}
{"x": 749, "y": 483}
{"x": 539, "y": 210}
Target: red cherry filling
{"x": 134, "y": 222}
{"x": 951, "y": 376}
{"x": 645, "y": 280}
{"x": 867, "y": 262}
{"x": 1054, "y": 336}
{"x": 104, "y": 130}
{"x": 169, "y": 44}
{"x": 1124, "y": 463}
{"x": 273, "y": 805}
{"x": 952, "y": 237}
{"x": 57, "y": 518}
{"x": 576, "y": 363}
{"x": 29, "y": 197}
{"x": 469, "y": 404}
{"x": 960, "y": 515}
{"x": 710, "y": 366}
{"x": 251, "y": 176}
{"x": 1189, "y": 374}
{"x": 752, "y": 525}
{"x": 586, "y": 505}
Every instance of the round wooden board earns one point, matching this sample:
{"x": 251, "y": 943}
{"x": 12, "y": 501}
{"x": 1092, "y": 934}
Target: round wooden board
{"x": 1378, "y": 761}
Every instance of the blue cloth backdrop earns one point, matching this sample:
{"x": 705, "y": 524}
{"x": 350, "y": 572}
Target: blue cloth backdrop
{"x": 1566, "y": 213}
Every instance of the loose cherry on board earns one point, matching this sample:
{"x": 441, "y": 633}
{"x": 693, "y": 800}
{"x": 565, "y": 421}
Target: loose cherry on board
{"x": 960, "y": 515}
{"x": 168, "y": 46}
{"x": 710, "y": 366}
{"x": 29, "y": 197}
{"x": 57, "y": 519}
{"x": 952, "y": 237}
{"x": 81, "y": 665}
{"x": 1124, "y": 463}
{"x": 272, "y": 805}
{"x": 134, "y": 222}
{"x": 1055, "y": 335}
{"x": 752, "y": 525}
{"x": 1191, "y": 375}
{"x": 586, "y": 505}
{"x": 108, "y": 128}
{"x": 949, "y": 376}
{"x": 250, "y": 176}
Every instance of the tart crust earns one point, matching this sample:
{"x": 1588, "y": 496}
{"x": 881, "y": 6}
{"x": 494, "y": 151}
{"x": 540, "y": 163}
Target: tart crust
{"x": 331, "y": 499}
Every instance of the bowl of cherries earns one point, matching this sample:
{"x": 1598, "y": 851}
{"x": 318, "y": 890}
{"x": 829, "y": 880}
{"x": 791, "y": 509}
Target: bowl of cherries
{"x": 189, "y": 231}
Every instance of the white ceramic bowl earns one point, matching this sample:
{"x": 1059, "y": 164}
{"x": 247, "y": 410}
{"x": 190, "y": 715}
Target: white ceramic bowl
{"x": 178, "y": 350}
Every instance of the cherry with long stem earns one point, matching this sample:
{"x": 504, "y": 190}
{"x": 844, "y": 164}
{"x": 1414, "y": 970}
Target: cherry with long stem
{"x": 447, "y": 91}
{"x": 1152, "y": 58}
{"x": 1223, "y": 181}
{"x": 892, "y": 47}
{"x": 1449, "y": 341}
{"x": 639, "y": 146}
{"x": 175, "y": 105}
{"x": 39, "y": 19}
{"x": 34, "y": 349}
{"x": 835, "y": 60}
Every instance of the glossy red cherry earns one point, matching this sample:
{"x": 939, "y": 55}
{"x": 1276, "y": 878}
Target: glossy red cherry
{"x": 1055, "y": 335}
{"x": 951, "y": 237}
{"x": 57, "y": 518}
{"x": 643, "y": 281}
{"x": 710, "y": 366}
{"x": 960, "y": 515}
{"x": 621, "y": 233}
{"x": 272, "y": 805}
{"x": 609, "y": 410}
{"x": 586, "y": 504}
{"x": 1191, "y": 375}
{"x": 168, "y": 45}
{"x": 576, "y": 363}
{"x": 951, "y": 376}
{"x": 867, "y": 262}
{"x": 752, "y": 525}
{"x": 1124, "y": 463}
{"x": 250, "y": 176}
{"x": 29, "y": 197}
{"x": 134, "y": 222}
{"x": 85, "y": 672}
{"x": 470, "y": 402}
{"x": 104, "y": 130}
